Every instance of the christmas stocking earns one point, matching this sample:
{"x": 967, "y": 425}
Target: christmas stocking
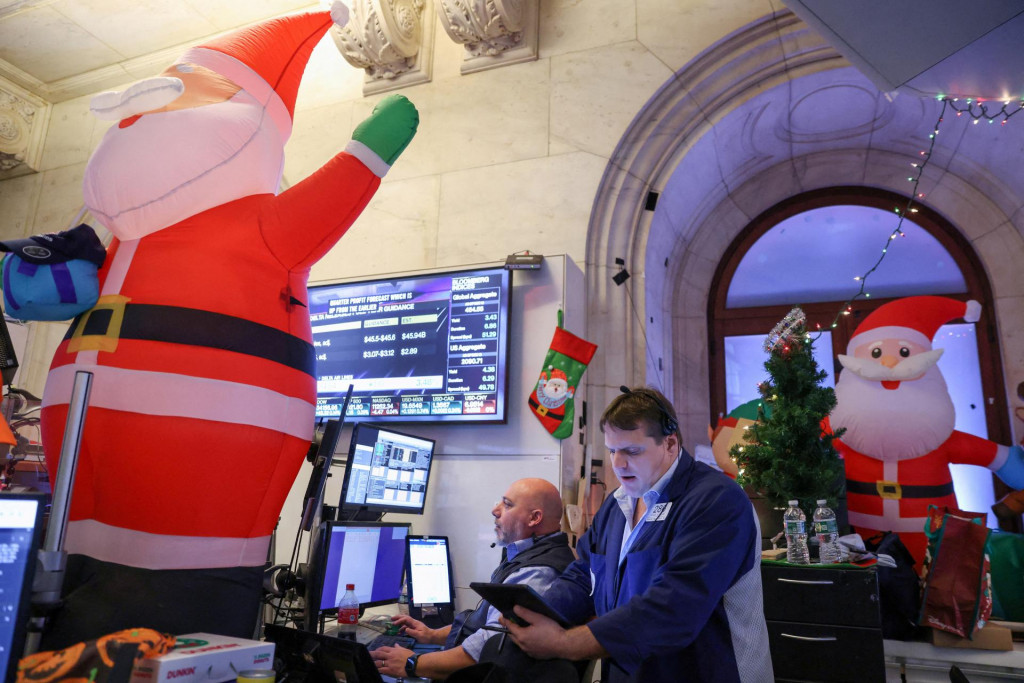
{"x": 551, "y": 400}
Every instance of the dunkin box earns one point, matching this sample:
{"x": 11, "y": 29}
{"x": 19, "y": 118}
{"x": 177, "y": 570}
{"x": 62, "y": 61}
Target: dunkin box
{"x": 206, "y": 658}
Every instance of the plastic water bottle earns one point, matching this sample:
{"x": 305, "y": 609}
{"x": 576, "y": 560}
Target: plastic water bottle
{"x": 796, "y": 534}
{"x": 403, "y": 599}
{"x": 827, "y": 531}
{"x": 348, "y": 612}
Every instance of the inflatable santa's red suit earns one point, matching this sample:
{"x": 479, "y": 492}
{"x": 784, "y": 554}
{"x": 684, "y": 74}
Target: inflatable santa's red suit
{"x": 203, "y": 394}
{"x": 899, "y": 419}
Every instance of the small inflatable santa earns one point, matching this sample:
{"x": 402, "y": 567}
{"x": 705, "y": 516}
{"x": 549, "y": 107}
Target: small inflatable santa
{"x": 899, "y": 419}
{"x": 203, "y": 392}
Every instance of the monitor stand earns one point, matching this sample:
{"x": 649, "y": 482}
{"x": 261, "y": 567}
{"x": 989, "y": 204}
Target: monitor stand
{"x": 360, "y": 515}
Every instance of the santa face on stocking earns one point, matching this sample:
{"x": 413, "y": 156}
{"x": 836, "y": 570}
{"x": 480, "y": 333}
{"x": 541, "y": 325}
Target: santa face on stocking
{"x": 554, "y": 391}
{"x": 900, "y": 421}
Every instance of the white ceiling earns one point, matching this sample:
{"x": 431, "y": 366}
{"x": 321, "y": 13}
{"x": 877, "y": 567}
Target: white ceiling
{"x": 59, "y": 49}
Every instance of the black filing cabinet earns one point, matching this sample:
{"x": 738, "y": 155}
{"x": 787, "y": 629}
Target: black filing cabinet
{"x": 823, "y": 624}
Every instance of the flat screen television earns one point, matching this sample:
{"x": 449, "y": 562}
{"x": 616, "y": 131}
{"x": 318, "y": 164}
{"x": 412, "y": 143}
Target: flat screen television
{"x": 416, "y": 348}
{"x": 387, "y": 471}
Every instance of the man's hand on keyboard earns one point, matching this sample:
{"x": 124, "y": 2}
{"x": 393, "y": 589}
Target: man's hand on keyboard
{"x": 418, "y": 630}
{"x": 390, "y": 661}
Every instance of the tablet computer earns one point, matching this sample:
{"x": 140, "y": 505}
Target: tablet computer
{"x": 505, "y": 596}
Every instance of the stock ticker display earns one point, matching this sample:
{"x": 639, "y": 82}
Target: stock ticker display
{"x": 424, "y": 348}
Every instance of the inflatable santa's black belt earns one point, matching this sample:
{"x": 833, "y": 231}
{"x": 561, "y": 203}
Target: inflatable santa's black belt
{"x": 894, "y": 490}
{"x": 178, "y": 325}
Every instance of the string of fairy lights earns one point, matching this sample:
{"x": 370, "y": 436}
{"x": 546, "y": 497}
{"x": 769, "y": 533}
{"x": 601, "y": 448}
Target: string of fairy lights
{"x": 976, "y": 109}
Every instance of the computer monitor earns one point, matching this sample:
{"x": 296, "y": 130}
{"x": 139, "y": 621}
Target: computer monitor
{"x": 306, "y": 657}
{"x": 388, "y": 471}
{"x": 431, "y": 582}
{"x": 370, "y": 555}
{"x": 21, "y": 533}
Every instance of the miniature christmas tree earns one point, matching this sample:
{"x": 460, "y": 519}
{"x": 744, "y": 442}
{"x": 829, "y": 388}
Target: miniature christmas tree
{"x": 787, "y": 455}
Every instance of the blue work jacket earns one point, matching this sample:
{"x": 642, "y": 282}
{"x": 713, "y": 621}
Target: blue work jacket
{"x": 685, "y": 603}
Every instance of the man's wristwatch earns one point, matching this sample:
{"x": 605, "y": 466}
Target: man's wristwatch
{"x": 410, "y": 666}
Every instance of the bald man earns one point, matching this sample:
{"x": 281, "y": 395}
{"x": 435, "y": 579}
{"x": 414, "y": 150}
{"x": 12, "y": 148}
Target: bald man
{"x": 527, "y": 522}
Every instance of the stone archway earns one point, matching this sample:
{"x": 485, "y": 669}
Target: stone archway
{"x": 768, "y": 112}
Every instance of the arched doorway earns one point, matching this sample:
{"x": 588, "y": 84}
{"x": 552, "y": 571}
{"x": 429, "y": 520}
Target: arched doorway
{"x": 805, "y": 251}
{"x": 768, "y": 114}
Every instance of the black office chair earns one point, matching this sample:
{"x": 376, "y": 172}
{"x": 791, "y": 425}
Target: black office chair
{"x": 521, "y": 668}
{"x": 483, "y": 672}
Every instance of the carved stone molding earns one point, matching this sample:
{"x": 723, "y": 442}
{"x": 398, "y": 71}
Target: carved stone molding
{"x": 391, "y": 40}
{"x": 23, "y": 119}
{"x": 494, "y": 32}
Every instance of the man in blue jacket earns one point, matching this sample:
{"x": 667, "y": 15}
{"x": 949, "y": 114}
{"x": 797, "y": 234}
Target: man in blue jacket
{"x": 670, "y": 565}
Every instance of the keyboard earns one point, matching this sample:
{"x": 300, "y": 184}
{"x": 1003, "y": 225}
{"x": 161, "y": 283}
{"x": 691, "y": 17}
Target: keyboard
{"x": 393, "y": 641}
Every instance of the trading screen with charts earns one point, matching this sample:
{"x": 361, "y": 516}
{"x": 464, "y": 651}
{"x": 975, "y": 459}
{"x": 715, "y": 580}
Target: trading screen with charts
{"x": 387, "y": 468}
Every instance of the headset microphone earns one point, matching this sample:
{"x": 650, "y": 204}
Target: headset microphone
{"x": 494, "y": 544}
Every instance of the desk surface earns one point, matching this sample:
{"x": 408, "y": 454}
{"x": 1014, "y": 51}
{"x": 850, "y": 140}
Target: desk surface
{"x": 980, "y": 666}
{"x": 365, "y": 634}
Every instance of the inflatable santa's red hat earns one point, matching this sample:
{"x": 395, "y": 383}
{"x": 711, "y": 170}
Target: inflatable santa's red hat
{"x": 268, "y": 59}
{"x": 915, "y": 319}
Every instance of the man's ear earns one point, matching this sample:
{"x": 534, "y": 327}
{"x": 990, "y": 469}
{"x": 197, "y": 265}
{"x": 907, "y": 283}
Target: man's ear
{"x": 675, "y": 440}
{"x": 536, "y": 517}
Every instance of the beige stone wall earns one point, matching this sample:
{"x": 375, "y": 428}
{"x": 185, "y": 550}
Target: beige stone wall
{"x": 505, "y": 160}
{"x": 555, "y": 156}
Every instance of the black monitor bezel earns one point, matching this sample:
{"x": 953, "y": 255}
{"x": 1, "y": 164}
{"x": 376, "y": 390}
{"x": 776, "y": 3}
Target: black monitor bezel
{"x": 408, "y": 569}
{"x": 21, "y": 628}
{"x": 317, "y": 655}
{"x": 346, "y": 507}
{"x": 326, "y": 529}
{"x": 505, "y": 371}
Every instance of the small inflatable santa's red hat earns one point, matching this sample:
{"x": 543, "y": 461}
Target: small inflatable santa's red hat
{"x": 267, "y": 60}
{"x": 915, "y": 319}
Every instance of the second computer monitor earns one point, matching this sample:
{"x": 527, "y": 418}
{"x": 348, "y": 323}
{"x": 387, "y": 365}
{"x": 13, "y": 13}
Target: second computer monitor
{"x": 388, "y": 471}
{"x": 431, "y": 582}
{"x": 369, "y": 555}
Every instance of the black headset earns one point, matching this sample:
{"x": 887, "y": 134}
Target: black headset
{"x": 668, "y": 424}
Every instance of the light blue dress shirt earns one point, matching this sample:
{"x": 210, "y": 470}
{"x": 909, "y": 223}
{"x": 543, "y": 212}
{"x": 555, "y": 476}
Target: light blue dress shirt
{"x": 538, "y": 578}
{"x": 628, "y": 505}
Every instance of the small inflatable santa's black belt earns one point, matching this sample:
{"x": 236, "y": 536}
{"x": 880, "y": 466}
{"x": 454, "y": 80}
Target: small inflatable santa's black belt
{"x": 895, "y": 490}
{"x": 112, "y": 320}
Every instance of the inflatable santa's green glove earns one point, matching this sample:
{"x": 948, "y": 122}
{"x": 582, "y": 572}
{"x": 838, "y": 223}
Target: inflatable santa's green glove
{"x": 387, "y": 131}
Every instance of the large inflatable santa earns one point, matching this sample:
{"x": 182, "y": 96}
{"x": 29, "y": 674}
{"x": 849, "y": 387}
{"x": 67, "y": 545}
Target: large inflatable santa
{"x": 899, "y": 419}
{"x": 203, "y": 394}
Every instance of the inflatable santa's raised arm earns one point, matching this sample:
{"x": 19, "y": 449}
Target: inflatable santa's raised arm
{"x": 899, "y": 419}
{"x": 203, "y": 396}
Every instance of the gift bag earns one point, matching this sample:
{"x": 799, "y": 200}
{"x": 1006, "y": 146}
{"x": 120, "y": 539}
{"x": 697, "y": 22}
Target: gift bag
{"x": 52, "y": 276}
{"x": 957, "y": 589}
{"x": 1006, "y": 559}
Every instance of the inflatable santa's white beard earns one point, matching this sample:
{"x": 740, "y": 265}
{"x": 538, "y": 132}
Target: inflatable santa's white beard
{"x": 893, "y": 424}
{"x": 168, "y": 166}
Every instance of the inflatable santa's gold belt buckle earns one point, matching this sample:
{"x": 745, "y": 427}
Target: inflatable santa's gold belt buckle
{"x": 889, "y": 489}
{"x": 99, "y": 328}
